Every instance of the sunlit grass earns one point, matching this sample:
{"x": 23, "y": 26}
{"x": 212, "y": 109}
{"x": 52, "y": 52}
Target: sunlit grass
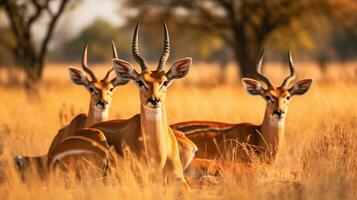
{"x": 317, "y": 161}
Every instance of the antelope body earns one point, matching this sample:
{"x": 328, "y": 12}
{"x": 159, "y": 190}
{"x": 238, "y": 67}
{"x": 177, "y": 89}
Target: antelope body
{"x": 235, "y": 141}
{"x": 86, "y": 148}
{"x": 148, "y": 134}
{"x": 101, "y": 92}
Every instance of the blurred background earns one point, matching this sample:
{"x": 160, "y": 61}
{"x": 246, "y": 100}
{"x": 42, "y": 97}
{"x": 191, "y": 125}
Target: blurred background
{"x": 35, "y": 34}
{"x": 40, "y": 39}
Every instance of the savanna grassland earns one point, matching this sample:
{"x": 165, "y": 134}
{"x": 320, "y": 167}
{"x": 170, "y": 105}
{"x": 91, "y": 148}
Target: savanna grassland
{"x": 317, "y": 161}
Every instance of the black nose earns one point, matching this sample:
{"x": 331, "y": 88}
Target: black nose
{"x": 154, "y": 101}
{"x": 279, "y": 113}
{"x": 101, "y": 103}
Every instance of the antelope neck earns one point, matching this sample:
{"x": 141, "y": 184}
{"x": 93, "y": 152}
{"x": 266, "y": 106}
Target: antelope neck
{"x": 272, "y": 131}
{"x": 154, "y": 132}
{"x": 96, "y": 115}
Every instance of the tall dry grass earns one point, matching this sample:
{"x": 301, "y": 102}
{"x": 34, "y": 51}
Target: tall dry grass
{"x": 317, "y": 161}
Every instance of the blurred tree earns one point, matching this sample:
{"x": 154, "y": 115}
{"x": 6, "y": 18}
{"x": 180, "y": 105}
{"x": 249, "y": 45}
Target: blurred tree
{"x": 6, "y": 42}
{"x": 345, "y": 41}
{"x": 22, "y": 15}
{"x": 184, "y": 41}
{"x": 244, "y": 25}
{"x": 99, "y": 36}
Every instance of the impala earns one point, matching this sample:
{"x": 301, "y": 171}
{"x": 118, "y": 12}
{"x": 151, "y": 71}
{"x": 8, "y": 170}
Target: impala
{"x": 101, "y": 92}
{"x": 215, "y": 139}
{"x": 148, "y": 135}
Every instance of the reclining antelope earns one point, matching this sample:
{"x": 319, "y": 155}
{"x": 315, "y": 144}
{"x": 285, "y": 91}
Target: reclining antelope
{"x": 215, "y": 139}
{"x": 147, "y": 135}
{"x": 85, "y": 149}
{"x": 101, "y": 92}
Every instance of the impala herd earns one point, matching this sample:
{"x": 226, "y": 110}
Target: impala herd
{"x": 164, "y": 148}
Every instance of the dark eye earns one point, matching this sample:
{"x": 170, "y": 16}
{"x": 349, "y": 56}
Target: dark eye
{"x": 288, "y": 97}
{"x": 140, "y": 83}
{"x": 111, "y": 89}
{"x": 165, "y": 83}
{"x": 91, "y": 90}
{"x": 268, "y": 98}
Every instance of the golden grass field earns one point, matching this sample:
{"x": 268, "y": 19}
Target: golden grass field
{"x": 318, "y": 160}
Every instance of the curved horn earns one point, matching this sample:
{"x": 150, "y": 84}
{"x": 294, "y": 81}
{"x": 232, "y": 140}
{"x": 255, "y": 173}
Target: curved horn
{"x": 292, "y": 76}
{"x": 166, "y": 51}
{"x": 114, "y": 50}
{"x": 260, "y": 76}
{"x": 115, "y": 55}
{"x": 85, "y": 64}
{"x": 107, "y": 75}
{"x": 135, "y": 50}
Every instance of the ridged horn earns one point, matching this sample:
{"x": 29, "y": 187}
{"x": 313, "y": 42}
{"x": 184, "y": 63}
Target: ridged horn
{"x": 292, "y": 75}
{"x": 85, "y": 63}
{"x": 107, "y": 75}
{"x": 135, "y": 50}
{"x": 166, "y": 50}
{"x": 260, "y": 76}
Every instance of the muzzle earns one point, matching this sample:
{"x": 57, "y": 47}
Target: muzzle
{"x": 154, "y": 102}
{"x": 279, "y": 114}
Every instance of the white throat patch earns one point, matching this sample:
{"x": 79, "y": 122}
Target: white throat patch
{"x": 101, "y": 113}
{"x": 276, "y": 123}
{"x": 153, "y": 114}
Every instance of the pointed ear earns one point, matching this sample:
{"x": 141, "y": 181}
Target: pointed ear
{"x": 179, "y": 69}
{"x": 78, "y": 77}
{"x": 300, "y": 87}
{"x": 253, "y": 86}
{"x": 118, "y": 81}
{"x": 124, "y": 70}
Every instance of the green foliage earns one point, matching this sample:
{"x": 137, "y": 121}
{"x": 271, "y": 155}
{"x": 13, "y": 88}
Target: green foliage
{"x": 246, "y": 26}
{"x": 99, "y": 36}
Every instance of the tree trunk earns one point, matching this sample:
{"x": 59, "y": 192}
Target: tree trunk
{"x": 32, "y": 68}
{"x": 246, "y": 63}
{"x": 246, "y": 56}
{"x": 246, "y": 49}
{"x": 246, "y": 52}
{"x": 33, "y": 76}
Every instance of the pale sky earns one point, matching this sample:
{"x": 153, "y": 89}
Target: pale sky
{"x": 88, "y": 11}
{"x": 81, "y": 16}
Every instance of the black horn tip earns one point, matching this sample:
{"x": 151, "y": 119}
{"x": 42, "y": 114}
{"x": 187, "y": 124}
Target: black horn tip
{"x": 135, "y": 36}
{"x": 260, "y": 60}
{"x": 262, "y": 51}
{"x": 137, "y": 26}
{"x": 290, "y": 57}
{"x": 85, "y": 48}
{"x": 114, "y": 49}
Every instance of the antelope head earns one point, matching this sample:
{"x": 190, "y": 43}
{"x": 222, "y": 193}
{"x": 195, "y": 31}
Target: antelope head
{"x": 277, "y": 98}
{"x": 101, "y": 91}
{"x": 152, "y": 84}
